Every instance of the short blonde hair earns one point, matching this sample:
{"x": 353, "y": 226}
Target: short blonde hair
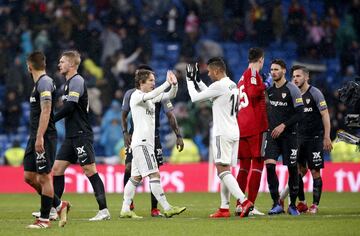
{"x": 74, "y": 56}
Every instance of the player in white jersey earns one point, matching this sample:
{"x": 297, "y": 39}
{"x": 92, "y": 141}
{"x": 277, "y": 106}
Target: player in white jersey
{"x": 224, "y": 95}
{"x": 142, "y": 104}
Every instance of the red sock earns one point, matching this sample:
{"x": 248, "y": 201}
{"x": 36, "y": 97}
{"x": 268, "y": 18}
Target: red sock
{"x": 243, "y": 173}
{"x": 255, "y": 178}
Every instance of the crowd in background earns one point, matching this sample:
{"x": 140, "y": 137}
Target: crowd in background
{"x": 115, "y": 36}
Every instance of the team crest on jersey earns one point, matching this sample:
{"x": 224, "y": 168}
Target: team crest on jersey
{"x": 253, "y": 80}
{"x": 307, "y": 100}
{"x": 283, "y": 95}
{"x": 33, "y": 90}
{"x": 65, "y": 87}
{"x": 32, "y": 99}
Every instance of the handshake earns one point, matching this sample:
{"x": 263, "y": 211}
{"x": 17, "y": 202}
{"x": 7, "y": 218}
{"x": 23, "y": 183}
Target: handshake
{"x": 193, "y": 73}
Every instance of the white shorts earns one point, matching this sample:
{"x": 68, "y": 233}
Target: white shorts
{"x": 225, "y": 150}
{"x": 144, "y": 161}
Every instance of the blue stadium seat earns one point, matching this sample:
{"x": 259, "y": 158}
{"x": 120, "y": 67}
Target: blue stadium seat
{"x": 172, "y": 53}
{"x": 159, "y": 50}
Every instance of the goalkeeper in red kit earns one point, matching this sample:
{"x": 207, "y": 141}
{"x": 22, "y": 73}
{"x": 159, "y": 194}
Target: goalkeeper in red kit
{"x": 253, "y": 124}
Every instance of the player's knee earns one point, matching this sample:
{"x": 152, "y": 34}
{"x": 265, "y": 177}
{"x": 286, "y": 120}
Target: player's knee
{"x": 302, "y": 170}
{"x": 58, "y": 170}
{"x": 43, "y": 179}
{"x": 29, "y": 180}
{"x": 137, "y": 178}
{"x": 270, "y": 161}
{"x": 154, "y": 175}
{"x": 315, "y": 173}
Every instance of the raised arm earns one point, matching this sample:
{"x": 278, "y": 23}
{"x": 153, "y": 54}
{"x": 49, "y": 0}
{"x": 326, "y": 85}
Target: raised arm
{"x": 209, "y": 93}
{"x": 171, "y": 78}
{"x": 156, "y": 92}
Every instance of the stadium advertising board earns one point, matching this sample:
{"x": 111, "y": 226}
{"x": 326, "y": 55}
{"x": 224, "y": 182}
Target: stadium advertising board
{"x": 339, "y": 177}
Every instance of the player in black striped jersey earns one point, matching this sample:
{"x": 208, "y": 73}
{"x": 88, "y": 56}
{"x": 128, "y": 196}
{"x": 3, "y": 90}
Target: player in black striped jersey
{"x": 41, "y": 147}
{"x": 285, "y": 110}
{"x": 78, "y": 143}
{"x": 314, "y": 137}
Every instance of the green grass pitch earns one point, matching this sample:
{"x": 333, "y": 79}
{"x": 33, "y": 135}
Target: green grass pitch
{"x": 339, "y": 215}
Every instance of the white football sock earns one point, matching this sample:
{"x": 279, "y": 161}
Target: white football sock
{"x": 225, "y": 196}
{"x": 159, "y": 194}
{"x": 230, "y": 182}
{"x": 129, "y": 193}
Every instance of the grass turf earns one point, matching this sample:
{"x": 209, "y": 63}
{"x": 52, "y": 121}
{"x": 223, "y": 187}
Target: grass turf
{"x": 339, "y": 214}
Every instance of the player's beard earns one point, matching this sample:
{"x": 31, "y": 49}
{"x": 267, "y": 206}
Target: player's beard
{"x": 301, "y": 85}
{"x": 278, "y": 78}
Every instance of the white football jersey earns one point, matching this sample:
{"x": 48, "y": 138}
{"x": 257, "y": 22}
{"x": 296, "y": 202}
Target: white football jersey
{"x": 142, "y": 107}
{"x": 224, "y": 95}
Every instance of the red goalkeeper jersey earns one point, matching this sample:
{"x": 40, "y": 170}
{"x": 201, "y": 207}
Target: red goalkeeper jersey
{"x": 252, "y": 117}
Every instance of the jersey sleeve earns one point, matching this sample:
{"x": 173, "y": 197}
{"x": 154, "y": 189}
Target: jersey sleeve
{"x": 213, "y": 91}
{"x": 256, "y": 87}
{"x": 167, "y": 95}
{"x": 295, "y": 95}
{"x": 76, "y": 89}
{"x": 319, "y": 99}
{"x": 45, "y": 88}
{"x": 126, "y": 101}
{"x": 167, "y": 105}
{"x": 136, "y": 97}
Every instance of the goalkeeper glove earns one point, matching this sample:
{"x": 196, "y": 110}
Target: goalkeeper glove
{"x": 267, "y": 80}
{"x": 190, "y": 72}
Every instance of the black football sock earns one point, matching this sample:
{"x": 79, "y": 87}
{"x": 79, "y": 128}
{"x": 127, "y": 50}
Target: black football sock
{"x": 273, "y": 182}
{"x": 99, "y": 190}
{"x": 301, "y": 193}
{"x": 46, "y": 203}
{"x": 56, "y": 201}
{"x": 154, "y": 202}
{"x": 59, "y": 185}
{"x": 317, "y": 189}
{"x": 293, "y": 184}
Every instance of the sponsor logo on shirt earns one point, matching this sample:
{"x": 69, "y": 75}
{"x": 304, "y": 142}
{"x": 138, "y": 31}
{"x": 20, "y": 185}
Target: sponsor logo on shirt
{"x": 278, "y": 103}
{"x": 308, "y": 109}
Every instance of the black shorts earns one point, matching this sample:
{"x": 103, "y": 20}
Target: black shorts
{"x": 285, "y": 145}
{"x": 40, "y": 163}
{"x": 157, "y": 151}
{"x": 311, "y": 153}
{"x": 77, "y": 149}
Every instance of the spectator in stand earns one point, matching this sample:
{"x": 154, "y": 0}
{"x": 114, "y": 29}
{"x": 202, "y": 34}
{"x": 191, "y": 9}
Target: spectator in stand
{"x": 145, "y": 43}
{"x": 14, "y": 156}
{"x": 277, "y": 21}
{"x": 296, "y": 21}
{"x": 316, "y": 31}
{"x": 111, "y": 42}
{"x": 11, "y": 112}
